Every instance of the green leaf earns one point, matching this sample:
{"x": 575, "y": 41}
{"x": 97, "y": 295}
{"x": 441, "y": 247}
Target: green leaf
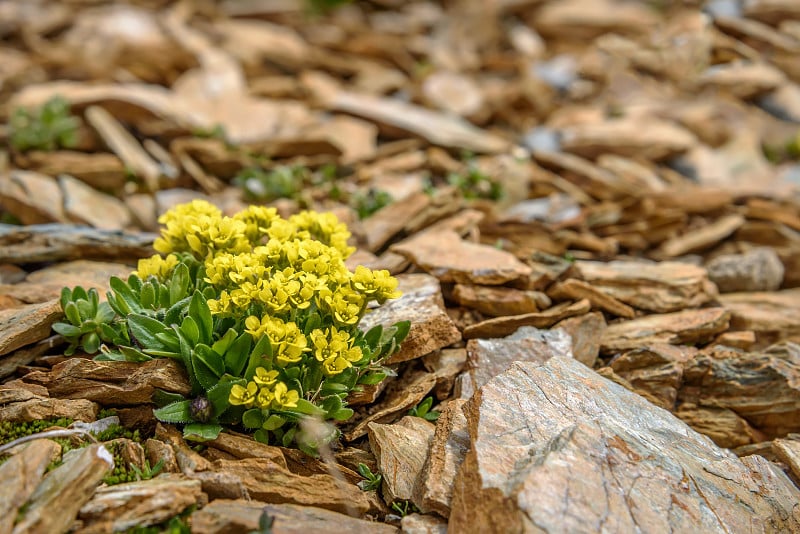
{"x": 72, "y": 313}
{"x": 402, "y": 330}
{"x": 201, "y": 431}
{"x": 219, "y": 394}
{"x": 105, "y": 314}
{"x": 330, "y": 388}
{"x": 147, "y": 298}
{"x": 221, "y": 345}
{"x": 307, "y": 408}
{"x": 208, "y": 366}
{"x": 179, "y": 283}
{"x": 91, "y": 343}
{"x": 373, "y": 337}
{"x": 198, "y": 310}
{"x": 79, "y": 294}
{"x": 133, "y": 355}
{"x": 261, "y": 435}
{"x": 67, "y": 330}
{"x": 237, "y": 354}
{"x": 371, "y": 379}
{"x": 66, "y": 296}
{"x": 260, "y": 356}
{"x": 177, "y": 412}
{"x": 273, "y": 422}
{"x": 190, "y": 329}
{"x": 162, "y": 398}
{"x": 332, "y": 405}
{"x": 343, "y": 414}
{"x": 176, "y": 311}
{"x": 129, "y": 302}
{"x": 144, "y": 329}
{"x": 252, "y": 418}
{"x": 169, "y": 339}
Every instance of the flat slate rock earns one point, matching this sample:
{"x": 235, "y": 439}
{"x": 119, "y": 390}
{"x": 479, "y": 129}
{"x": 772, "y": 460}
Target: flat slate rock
{"x": 556, "y": 447}
{"x": 772, "y": 316}
{"x": 503, "y": 326}
{"x": 27, "y": 324}
{"x": 224, "y": 516}
{"x": 422, "y": 304}
{"x": 21, "y": 474}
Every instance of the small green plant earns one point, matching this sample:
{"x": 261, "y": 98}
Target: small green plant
{"x": 88, "y": 320}
{"x": 404, "y": 508}
{"x": 423, "y": 410}
{"x": 148, "y": 472}
{"x": 260, "y": 185}
{"x": 46, "y": 128}
{"x": 175, "y": 525}
{"x": 263, "y": 314}
{"x": 265, "y": 523}
{"x": 369, "y": 202}
{"x": 474, "y": 184}
{"x": 372, "y": 481}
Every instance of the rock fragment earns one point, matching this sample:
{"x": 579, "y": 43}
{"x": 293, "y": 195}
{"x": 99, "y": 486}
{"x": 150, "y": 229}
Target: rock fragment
{"x": 759, "y": 269}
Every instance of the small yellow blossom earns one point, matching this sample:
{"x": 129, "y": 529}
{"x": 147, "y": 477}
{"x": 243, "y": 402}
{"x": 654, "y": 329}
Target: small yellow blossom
{"x": 378, "y": 285}
{"x": 241, "y": 396}
{"x": 156, "y": 266}
{"x": 264, "y": 377}
{"x": 283, "y": 397}
{"x": 264, "y": 398}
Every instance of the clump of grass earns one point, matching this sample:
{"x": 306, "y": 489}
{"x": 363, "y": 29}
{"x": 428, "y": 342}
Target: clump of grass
{"x": 46, "y": 128}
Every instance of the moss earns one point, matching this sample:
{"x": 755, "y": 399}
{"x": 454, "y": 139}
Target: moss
{"x": 10, "y": 431}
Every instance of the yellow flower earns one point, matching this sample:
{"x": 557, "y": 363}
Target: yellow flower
{"x": 284, "y": 397}
{"x": 264, "y": 398}
{"x": 379, "y": 285}
{"x": 346, "y": 305}
{"x": 241, "y": 396}
{"x": 264, "y": 377}
{"x": 287, "y": 341}
{"x": 258, "y": 220}
{"x": 221, "y": 305}
{"x": 156, "y": 266}
{"x": 335, "y": 365}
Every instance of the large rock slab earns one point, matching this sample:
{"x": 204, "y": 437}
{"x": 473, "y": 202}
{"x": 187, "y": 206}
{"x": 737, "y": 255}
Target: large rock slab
{"x": 772, "y": 316}
{"x": 27, "y": 324}
{"x": 422, "y": 304}
{"x": 658, "y": 287}
{"x": 225, "y": 516}
{"x": 451, "y": 259}
{"x": 503, "y": 326}
{"x": 557, "y": 448}
{"x": 500, "y": 301}
{"x": 683, "y": 327}
{"x": 21, "y": 474}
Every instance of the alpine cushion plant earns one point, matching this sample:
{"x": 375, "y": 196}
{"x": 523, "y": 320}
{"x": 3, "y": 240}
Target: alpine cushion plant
{"x": 263, "y": 314}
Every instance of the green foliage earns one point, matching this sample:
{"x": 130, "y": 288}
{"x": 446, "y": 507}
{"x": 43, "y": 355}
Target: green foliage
{"x": 368, "y": 203}
{"x": 265, "y": 523}
{"x": 404, "y": 508}
{"x": 88, "y": 321}
{"x": 175, "y": 525}
{"x": 261, "y": 311}
{"x": 10, "y": 431}
{"x": 474, "y": 184}
{"x": 423, "y": 410}
{"x": 46, "y": 128}
{"x": 260, "y": 185}
{"x": 372, "y": 481}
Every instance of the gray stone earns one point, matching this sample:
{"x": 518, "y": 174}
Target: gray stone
{"x": 759, "y": 269}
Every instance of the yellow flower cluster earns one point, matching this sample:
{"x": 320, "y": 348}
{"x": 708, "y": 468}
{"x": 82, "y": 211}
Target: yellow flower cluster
{"x": 265, "y": 391}
{"x": 157, "y": 266}
{"x": 334, "y": 349}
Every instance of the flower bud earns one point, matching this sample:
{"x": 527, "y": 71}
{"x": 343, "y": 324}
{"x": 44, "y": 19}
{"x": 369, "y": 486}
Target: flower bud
{"x": 201, "y": 409}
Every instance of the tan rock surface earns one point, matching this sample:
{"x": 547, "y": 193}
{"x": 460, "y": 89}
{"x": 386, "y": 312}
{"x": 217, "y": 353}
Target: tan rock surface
{"x": 655, "y": 370}
{"x": 586, "y": 331}
{"x": 573, "y": 289}
{"x": 28, "y": 324}
{"x": 677, "y": 328}
{"x": 21, "y": 474}
{"x": 595, "y": 440}
{"x": 503, "y": 326}
{"x": 500, "y": 301}
{"x": 772, "y": 316}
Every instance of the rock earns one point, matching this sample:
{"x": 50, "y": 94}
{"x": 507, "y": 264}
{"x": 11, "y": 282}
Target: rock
{"x": 448, "y": 448}
{"x": 743, "y": 340}
{"x": 772, "y": 316}
{"x": 586, "y": 332}
{"x": 139, "y": 504}
{"x": 423, "y": 305}
{"x": 85, "y": 205}
{"x": 503, "y": 326}
{"x": 651, "y": 139}
{"x": 587, "y": 177}
{"x": 401, "y": 395}
{"x": 116, "y": 383}
{"x": 788, "y": 451}
{"x": 573, "y": 289}
{"x": 158, "y": 451}
{"x": 569, "y": 451}
{"x": 701, "y": 238}
{"x": 27, "y": 324}
{"x": 762, "y": 387}
{"x": 488, "y": 358}
{"x": 46, "y": 284}
{"x": 224, "y": 515}
{"x": 423, "y": 524}
{"x": 658, "y": 287}
{"x": 32, "y": 197}
{"x": 759, "y": 269}
{"x": 678, "y": 328}
{"x": 586, "y": 19}
{"x": 267, "y": 481}
{"x": 453, "y": 93}
{"x": 500, "y": 301}
{"x": 188, "y": 460}
{"x": 655, "y": 371}
{"x": 36, "y": 408}
{"x": 450, "y": 259}
{"x": 100, "y": 170}
{"x": 55, "y": 503}
{"x": 391, "y": 220}
{"x": 401, "y": 451}
{"x": 771, "y": 11}
{"x": 241, "y": 447}
{"x": 13, "y": 360}
{"x": 446, "y": 365}
{"x": 743, "y": 79}
{"x": 720, "y": 424}
{"x": 21, "y": 474}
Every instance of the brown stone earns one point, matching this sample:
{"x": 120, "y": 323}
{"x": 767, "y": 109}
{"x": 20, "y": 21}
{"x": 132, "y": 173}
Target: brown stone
{"x": 739, "y": 340}
{"x": 445, "y": 364}
{"x": 99, "y": 170}
{"x": 188, "y": 460}
{"x": 761, "y": 387}
{"x": 139, "y": 504}
{"x": 655, "y": 370}
{"x": 586, "y": 332}
{"x": 500, "y": 301}
{"x": 788, "y": 451}
{"x": 423, "y": 305}
{"x": 223, "y": 515}
{"x": 701, "y": 238}
{"x": 720, "y": 424}
{"x": 447, "y": 450}
{"x": 586, "y": 19}
{"x": 32, "y": 197}
{"x": 240, "y": 447}
{"x": 158, "y": 451}
{"x": 21, "y": 474}
{"x": 555, "y": 447}
{"x": 37, "y": 408}
{"x": 772, "y": 316}
{"x": 503, "y": 326}
{"x": 267, "y": 481}
{"x": 423, "y": 524}
{"x": 759, "y": 269}
{"x": 65, "y": 490}
{"x": 401, "y": 451}
{"x": 678, "y": 328}
{"x": 116, "y": 383}
{"x": 573, "y": 289}
{"x": 107, "y": 212}
{"x": 27, "y": 324}
{"x": 391, "y": 220}
{"x": 743, "y": 79}
{"x": 450, "y": 259}
{"x": 658, "y": 287}
{"x": 46, "y": 284}
{"x": 488, "y": 358}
